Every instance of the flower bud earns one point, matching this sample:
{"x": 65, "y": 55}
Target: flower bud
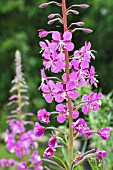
{"x": 74, "y": 12}
{"x": 84, "y": 6}
{"x": 79, "y": 23}
{"x": 87, "y": 30}
{"x": 42, "y": 33}
{"x": 39, "y": 130}
{"x": 51, "y": 16}
{"x": 49, "y": 152}
{"x": 43, "y": 5}
{"x": 52, "y": 21}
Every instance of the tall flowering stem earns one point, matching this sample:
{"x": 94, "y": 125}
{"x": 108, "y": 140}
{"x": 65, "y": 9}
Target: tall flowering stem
{"x": 70, "y": 145}
{"x": 17, "y": 139}
{"x": 18, "y": 74}
{"x": 76, "y": 72}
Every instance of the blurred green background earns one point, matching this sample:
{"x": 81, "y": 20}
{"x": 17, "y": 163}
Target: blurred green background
{"x": 19, "y": 22}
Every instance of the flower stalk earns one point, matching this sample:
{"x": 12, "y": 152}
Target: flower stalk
{"x": 70, "y": 144}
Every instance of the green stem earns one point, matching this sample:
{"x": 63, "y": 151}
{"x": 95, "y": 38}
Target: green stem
{"x": 70, "y": 145}
{"x": 19, "y": 115}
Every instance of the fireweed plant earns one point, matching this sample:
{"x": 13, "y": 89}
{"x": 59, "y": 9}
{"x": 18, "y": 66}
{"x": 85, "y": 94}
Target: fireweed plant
{"x": 76, "y": 71}
{"x": 19, "y": 141}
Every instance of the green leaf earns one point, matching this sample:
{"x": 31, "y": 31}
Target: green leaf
{"x": 65, "y": 154}
{"x": 93, "y": 164}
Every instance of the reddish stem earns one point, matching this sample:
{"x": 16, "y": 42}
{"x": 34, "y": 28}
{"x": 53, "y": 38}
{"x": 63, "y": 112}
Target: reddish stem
{"x": 70, "y": 145}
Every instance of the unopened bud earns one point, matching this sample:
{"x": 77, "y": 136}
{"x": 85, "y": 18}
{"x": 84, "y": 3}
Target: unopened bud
{"x": 43, "y": 5}
{"x": 42, "y": 33}
{"x": 79, "y": 23}
{"x": 84, "y": 6}
{"x": 74, "y": 12}
{"x": 52, "y": 21}
{"x": 87, "y": 30}
{"x": 51, "y": 16}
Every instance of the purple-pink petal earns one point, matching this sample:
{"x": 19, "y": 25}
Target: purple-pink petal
{"x": 56, "y": 35}
{"x": 75, "y": 114}
{"x": 67, "y": 36}
{"x": 69, "y": 46}
{"x": 39, "y": 130}
{"x": 49, "y": 152}
{"x": 61, "y": 119}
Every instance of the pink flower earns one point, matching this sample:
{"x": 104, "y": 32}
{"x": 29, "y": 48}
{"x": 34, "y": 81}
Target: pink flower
{"x": 100, "y": 154}
{"x": 35, "y": 158}
{"x": 10, "y": 141}
{"x": 91, "y": 77}
{"x": 54, "y": 61}
{"x": 22, "y": 165}
{"x": 48, "y": 90}
{"x": 64, "y": 112}
{"x": 39, "y": 130}
{"x": 84, "y": 52}
{"x": 104, "y": 133}
{"x": 61, "y": 42}
{"x": 93, "y": 101}
{"x": 16, "y": 127}
{"x": 11, "y": 162}
{"x": 43, "y": 33}
{"x": 79, "y": 126}
{"x": 80, "y": 71}
{"x": 43, "y": 116}
{"x": 63, "y": 91}
{"x": 3, "y": 162}
{"x": 53, "y": 142}
{"x": 49, "y": 152}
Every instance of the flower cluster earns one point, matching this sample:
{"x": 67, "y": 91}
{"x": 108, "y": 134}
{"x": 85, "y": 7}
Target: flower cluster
{"x": 49, "y": 152}
{"x": 59, "y": 56}
{"x": 17, "y": 139}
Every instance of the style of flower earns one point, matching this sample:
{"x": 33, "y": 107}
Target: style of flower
{"x": 49, "y": 152}
{"x": 100, "y": 154}
{"x": 104, "y": 133}
{"x": 43, "y": 116}
{"x": 39, "y": 130}
{"x": 61, "y": 42}
{"x": 93, "y": 101}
